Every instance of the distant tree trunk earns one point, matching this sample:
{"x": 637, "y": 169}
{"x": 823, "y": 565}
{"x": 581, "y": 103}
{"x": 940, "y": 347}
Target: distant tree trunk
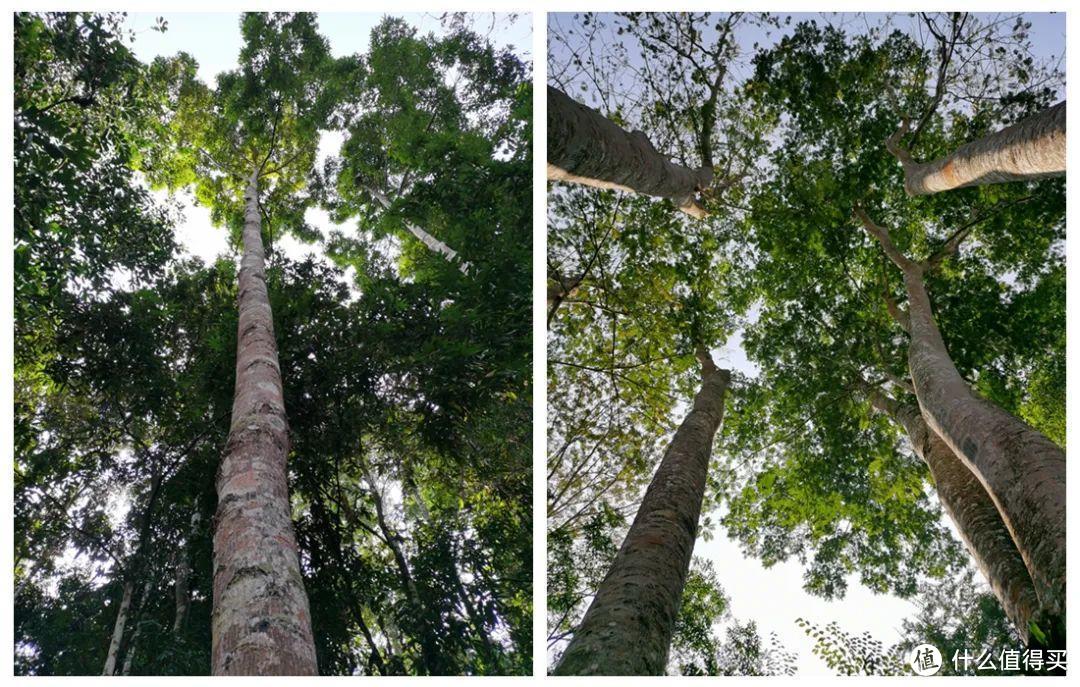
{"x": 585, "y": 147}
{"x": 628, "y": 627}
{"x": 427, "y": 239}
{"x": 1022, "y": 470}
{"x": 376, "y": 658}
{"x": 261, "y": 621}
{"x": 973, "y": 512}
{"x": 183, "y": 575}
{"x": 428, "y": 645}
{"x": 489, "y": 650}
{"x": 133, "y": 645}
{"x": 118, "y": 629}
{"x": 1032, "y": 148}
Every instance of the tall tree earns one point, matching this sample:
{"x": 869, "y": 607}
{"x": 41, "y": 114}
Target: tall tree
{"x": 267, "y": 116}
{"x": 1022, "y": 470}
{"x": 628, "y": 627}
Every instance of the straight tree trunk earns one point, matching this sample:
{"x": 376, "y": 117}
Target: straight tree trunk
{"x": 1033, "y": 148}
{"x": 628, "y": 627}
{"x": 118, "y": 629}
{"x": 585, "y": 147}
{"x": 1022, "y": 470}
{"x": 261, "y": 622}
{"x": 133, "y": 645}
{"x": 973, "y": 513}
{"x": 183, "y": 576}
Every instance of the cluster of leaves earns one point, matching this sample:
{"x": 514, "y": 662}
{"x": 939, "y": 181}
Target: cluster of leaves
{"x": 408, "y": 401}
{"x": 957, "y": 614}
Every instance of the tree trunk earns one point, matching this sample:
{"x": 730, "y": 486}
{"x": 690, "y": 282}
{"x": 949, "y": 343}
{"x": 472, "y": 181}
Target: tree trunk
{"x": 428, "y": 645}
{"x": 261, "y": 621}
{"x": 627, "y": 629}
{"x": 584, "y": 147}
{"x": 133, "y": 645}
{"x": 118, "y": 629}
{"x": 1022, "y": 470}
{"x": 427, "y": 239}
{"x": 183, "y": 576}
{"x": 1032, "y": 148}
{"x": 973, "y": 512}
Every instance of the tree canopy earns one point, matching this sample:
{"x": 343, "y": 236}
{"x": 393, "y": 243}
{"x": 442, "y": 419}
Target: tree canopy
{"x": 407, "y": 383}
{"x": 798, "y": 117}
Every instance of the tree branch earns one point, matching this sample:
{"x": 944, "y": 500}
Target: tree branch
{"x": 906, "y": 264}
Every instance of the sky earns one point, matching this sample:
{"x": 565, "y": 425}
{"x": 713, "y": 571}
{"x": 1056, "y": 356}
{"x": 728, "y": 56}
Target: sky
{"x": 774, "y": 597}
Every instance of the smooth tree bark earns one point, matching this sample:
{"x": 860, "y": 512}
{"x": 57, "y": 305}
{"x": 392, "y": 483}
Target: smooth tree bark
{"x": 628, "y": 627}
{"x": 118, "y": 629}
{"x": 1033, "y": 148}
{"x": 585, "y": 147}
{"x": 1021, "y": 469}
{"x": 972, "y": 511}
{"x": 427, "y": 239}
{"x": 261, "y": 621}
{"x": 133, "y": 644}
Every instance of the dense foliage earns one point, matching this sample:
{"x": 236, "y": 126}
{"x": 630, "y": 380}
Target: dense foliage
{"x": 407, "y": 383}
{"x": 784, "y": 285}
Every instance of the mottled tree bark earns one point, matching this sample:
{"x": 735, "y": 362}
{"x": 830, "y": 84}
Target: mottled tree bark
{"x": 261, "y": 622}
{"x": 973, "y": 513}
{"x": 628, "y": 627}
{"x": 585, "y": 147}
{"x": 118, "y": 629}
{"x": 1021, "y": 470}
{"x": 1033, "y": 148}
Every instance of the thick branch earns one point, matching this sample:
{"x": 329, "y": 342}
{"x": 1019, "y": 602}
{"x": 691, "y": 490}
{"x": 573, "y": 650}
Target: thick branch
{"x": 880, "y": 233}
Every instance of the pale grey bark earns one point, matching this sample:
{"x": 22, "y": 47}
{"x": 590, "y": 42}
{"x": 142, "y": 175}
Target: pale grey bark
{"x": 427, "y": 239}
{"x": 1021, "y": 470}
{"x": 628, "y": 627}
{"x": 118, "y": 629}
{"x": 585, "y": 147}
{"x": 133, "y": 644}
{"x": 972, "y": 511}
{"x": 261, "y": 624}
{"x": 1033, "y": 148}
